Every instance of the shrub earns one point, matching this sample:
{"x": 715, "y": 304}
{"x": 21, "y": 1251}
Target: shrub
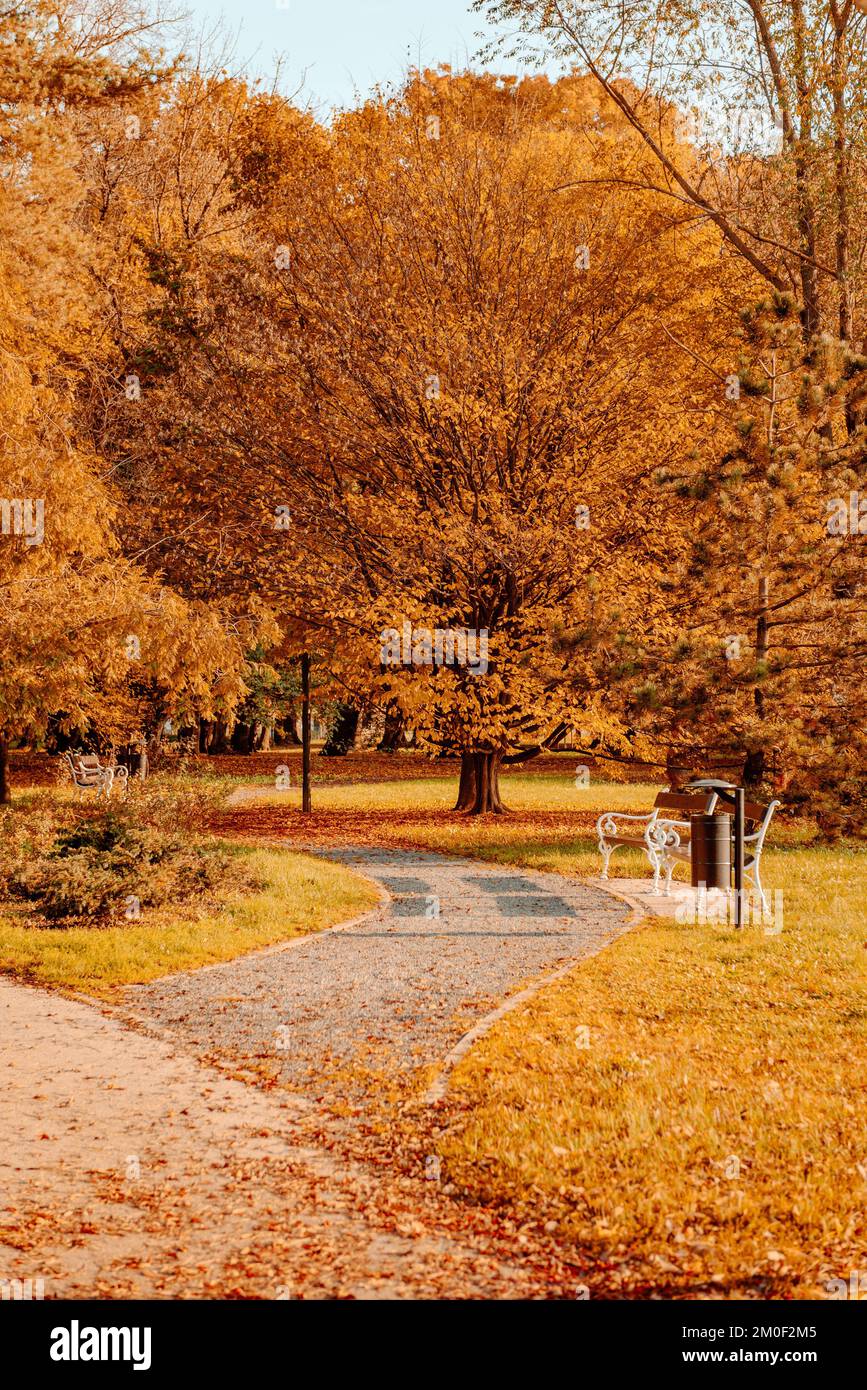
{"x": 164, "y": 804}
{"x": 92, "y": 867}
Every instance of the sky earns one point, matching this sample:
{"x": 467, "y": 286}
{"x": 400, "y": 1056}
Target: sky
{"x": 335, "y": 48}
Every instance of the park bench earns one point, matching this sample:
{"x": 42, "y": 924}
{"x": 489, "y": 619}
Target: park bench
{"x": 650, "y": 832}
{"x": 89, "y": 774}
{"x": 670, "y": 841}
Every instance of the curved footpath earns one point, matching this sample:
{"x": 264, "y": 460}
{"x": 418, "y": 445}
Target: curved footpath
{"x": 130, "y": 1167}
{"x": 396, "y": 990}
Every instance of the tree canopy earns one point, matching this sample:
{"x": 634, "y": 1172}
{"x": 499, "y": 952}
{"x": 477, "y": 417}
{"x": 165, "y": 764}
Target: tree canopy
{"x": 523, "y": 405}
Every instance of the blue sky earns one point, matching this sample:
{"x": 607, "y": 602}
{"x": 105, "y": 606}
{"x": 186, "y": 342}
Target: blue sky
{"x": 335, "y": 47}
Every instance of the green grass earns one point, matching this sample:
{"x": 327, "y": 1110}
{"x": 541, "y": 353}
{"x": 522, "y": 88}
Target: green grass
{"x": 520, "y": 793}
{"x": 303, "y": 894}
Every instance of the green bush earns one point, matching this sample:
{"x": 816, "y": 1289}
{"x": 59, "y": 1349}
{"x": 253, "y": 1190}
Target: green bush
{"x": 92, "y": 867}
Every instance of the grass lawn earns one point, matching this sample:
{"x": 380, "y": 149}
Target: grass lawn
{"x": 704, "y": 1135}
{"x": 302, "y": 894}
{"x": 520, "y": 792}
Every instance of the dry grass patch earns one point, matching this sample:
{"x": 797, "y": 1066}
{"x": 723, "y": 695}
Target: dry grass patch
{"x": 710, "y": 1138}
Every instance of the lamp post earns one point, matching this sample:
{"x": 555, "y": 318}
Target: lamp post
{"x": 305, "y": 732}
{"x": 731, "y": 795}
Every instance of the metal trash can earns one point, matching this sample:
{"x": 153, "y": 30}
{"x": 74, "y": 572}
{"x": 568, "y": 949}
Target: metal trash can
{"x": 711, "y": 850}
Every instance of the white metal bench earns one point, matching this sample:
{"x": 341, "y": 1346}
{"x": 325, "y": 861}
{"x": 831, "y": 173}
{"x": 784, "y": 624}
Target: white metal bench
{"x": 89, "y": 774}
{"x": 671, "y": 845}
{"x": 617, "y": 829}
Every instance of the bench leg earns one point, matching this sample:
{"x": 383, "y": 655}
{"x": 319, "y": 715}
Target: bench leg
{"x": 766, "y": 902}
{"x": 669, "y": 870}
{"x": 655, "y": 865}
{"x": 606, "y": 851}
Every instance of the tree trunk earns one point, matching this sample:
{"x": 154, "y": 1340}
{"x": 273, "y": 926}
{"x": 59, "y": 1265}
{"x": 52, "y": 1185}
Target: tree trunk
{"x": 5, "y": 789}
{"x": 761, "y": 642}
{"x": 393, "y": 731}
{"x": 154, "y": 747}
{"x": 467, "y": 788}
{"x": 342, "y": 734}
{"x": 754, "y": 764}
{"x": 676, "y": 773}
{"x": 754, "y": 768}
{"x": 219, "y": 741}
{"x": 841, "y": 189}
{"x": 241, "y": 740}
{"x": 285, "y": 732}
{"x": 479, "y": 790}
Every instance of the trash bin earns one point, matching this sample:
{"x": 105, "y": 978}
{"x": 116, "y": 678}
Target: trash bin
{"x": 711, "y": 850}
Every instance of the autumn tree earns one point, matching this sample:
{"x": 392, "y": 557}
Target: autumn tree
{"x": 783, "y": 700}
{"x": 442, "y": 368}
{"x": 751, "y": 117}
{"x": 77, "y": 615}
{"x": 771, "y": 98}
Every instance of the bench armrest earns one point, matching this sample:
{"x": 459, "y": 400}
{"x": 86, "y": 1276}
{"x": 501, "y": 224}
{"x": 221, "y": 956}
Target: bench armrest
{"x": 609, "y": 819}
{"x": 623, "y": 815}
{"x": 664, "y": 834}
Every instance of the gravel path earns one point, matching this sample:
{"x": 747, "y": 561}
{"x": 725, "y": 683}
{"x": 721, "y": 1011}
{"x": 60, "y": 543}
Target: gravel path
{"x": 395, "y": 991}
{"x": 130, "y": 1170}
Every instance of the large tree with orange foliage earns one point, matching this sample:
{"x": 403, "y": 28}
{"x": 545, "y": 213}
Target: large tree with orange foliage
{"x": 774, "y": 155}
{"x": 82, "y": 624}
{"x": 444, "y": 370}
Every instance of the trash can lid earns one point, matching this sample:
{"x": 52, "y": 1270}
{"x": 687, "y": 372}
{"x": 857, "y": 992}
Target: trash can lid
{"x": 711, "y": 784}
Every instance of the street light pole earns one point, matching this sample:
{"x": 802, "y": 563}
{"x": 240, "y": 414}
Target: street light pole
{"x": 739, "y": 857}
{"x": 305, "y": 732}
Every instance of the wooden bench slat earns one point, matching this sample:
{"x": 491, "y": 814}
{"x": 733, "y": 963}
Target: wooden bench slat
{"x": 680, "y": 801}
{"x": 683, "y": 801}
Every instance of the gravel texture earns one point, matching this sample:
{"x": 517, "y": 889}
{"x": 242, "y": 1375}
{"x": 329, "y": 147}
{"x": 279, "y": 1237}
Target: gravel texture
{"x": 397, "y": 989}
